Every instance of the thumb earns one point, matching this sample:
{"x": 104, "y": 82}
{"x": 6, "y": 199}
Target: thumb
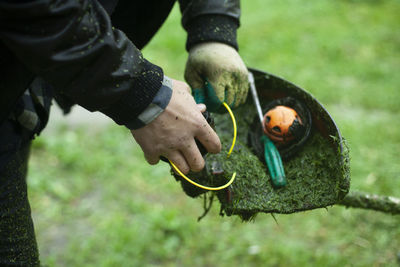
{"x": 192, "y": 77}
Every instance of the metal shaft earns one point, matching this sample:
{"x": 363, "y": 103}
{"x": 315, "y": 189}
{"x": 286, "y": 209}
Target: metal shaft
{"x": 255, "y": 98}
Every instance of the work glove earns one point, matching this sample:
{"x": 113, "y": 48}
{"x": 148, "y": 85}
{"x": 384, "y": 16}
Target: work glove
{"x": 216, "y": 74}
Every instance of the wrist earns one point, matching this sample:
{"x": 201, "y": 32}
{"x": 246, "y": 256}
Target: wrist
{"x": 136, "y": 94}
{"x": 155, "y": 108}
{"x": 212, "y": 28}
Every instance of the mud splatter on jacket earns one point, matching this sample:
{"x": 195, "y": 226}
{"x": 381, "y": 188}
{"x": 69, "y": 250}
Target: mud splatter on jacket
{"x": 94, "y": 60}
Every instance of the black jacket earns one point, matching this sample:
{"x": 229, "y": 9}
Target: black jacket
{"x": 73, "y": 45}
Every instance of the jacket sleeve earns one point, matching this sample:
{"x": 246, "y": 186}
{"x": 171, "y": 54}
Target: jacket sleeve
{"x": 72, "y": 45}
{"x": 210, "y": 20}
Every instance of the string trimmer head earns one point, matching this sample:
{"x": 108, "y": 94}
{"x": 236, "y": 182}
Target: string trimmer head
{"x": 315, "y": 157}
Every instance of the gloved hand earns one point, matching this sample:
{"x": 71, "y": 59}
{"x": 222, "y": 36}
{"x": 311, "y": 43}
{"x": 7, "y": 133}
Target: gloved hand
{"x": 219, "y": 72}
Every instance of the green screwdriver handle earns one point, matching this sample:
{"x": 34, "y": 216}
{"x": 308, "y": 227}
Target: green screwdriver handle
{"x": 274, "y": 163}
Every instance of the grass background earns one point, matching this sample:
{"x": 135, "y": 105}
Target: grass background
{"x": 97, "y": 203}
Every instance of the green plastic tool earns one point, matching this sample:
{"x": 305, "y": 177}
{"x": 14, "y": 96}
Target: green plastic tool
{"x": 207, "y": 96}
{"x": 272, "y": 157}
{"x": 198, "y": 95}
{"x": 274, "y": 162}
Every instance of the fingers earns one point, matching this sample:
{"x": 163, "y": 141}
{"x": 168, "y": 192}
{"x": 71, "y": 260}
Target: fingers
{"x": 231, "y": 87}
{"x": 230, "y": 95}
{"x": 244, "y": 91}
{"x": 193, "y": 156}
{"x": 192, "y": 77}
{"x": 241, "y": 91}
{"x": 210, "y": 140}
{"x": 187, "y": 158}
{"x": 244, "y": 85}
{"x": 219, "y": 89}
{"x": 152, "y": 159}
{"x": 178, "y": 159}
{"x": 238, "y": 87}
{"x": 202, "y": 108}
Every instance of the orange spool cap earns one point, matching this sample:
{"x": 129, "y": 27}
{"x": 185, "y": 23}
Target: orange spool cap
{"x": 278, "y": 122}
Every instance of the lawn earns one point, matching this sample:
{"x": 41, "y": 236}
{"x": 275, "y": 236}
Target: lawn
{"x": 97, "y": 203}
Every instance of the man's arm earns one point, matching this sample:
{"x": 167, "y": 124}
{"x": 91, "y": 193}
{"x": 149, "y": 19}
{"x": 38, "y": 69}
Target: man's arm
{"x": 72, "y": 45}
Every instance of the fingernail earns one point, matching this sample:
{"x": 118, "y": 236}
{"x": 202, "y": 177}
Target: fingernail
{"x": 201, "y": 107}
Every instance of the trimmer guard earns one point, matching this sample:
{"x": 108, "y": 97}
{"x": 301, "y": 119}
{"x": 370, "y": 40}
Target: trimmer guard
{"x": 317, "y": 174}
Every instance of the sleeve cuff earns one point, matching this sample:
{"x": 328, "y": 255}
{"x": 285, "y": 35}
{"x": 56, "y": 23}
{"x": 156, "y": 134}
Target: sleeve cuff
{"x": 156, "y": 107}
{"x": 217, "y": 28}
{"x": 143, "y": 89}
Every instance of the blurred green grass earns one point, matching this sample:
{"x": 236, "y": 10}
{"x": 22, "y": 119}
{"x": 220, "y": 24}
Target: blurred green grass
{"x": 97, "y": 203}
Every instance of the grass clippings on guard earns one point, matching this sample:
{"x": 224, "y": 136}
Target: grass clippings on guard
{"x": 317, "y": 175}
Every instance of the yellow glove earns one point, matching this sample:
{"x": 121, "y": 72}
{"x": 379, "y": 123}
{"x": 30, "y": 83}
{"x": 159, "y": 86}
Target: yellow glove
{"x": 223, "y": 68}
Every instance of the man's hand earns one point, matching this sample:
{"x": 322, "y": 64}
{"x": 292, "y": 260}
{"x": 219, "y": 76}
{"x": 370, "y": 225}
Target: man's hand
{"x": 222, "y": 66}
{"x": 173, "y": 132}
